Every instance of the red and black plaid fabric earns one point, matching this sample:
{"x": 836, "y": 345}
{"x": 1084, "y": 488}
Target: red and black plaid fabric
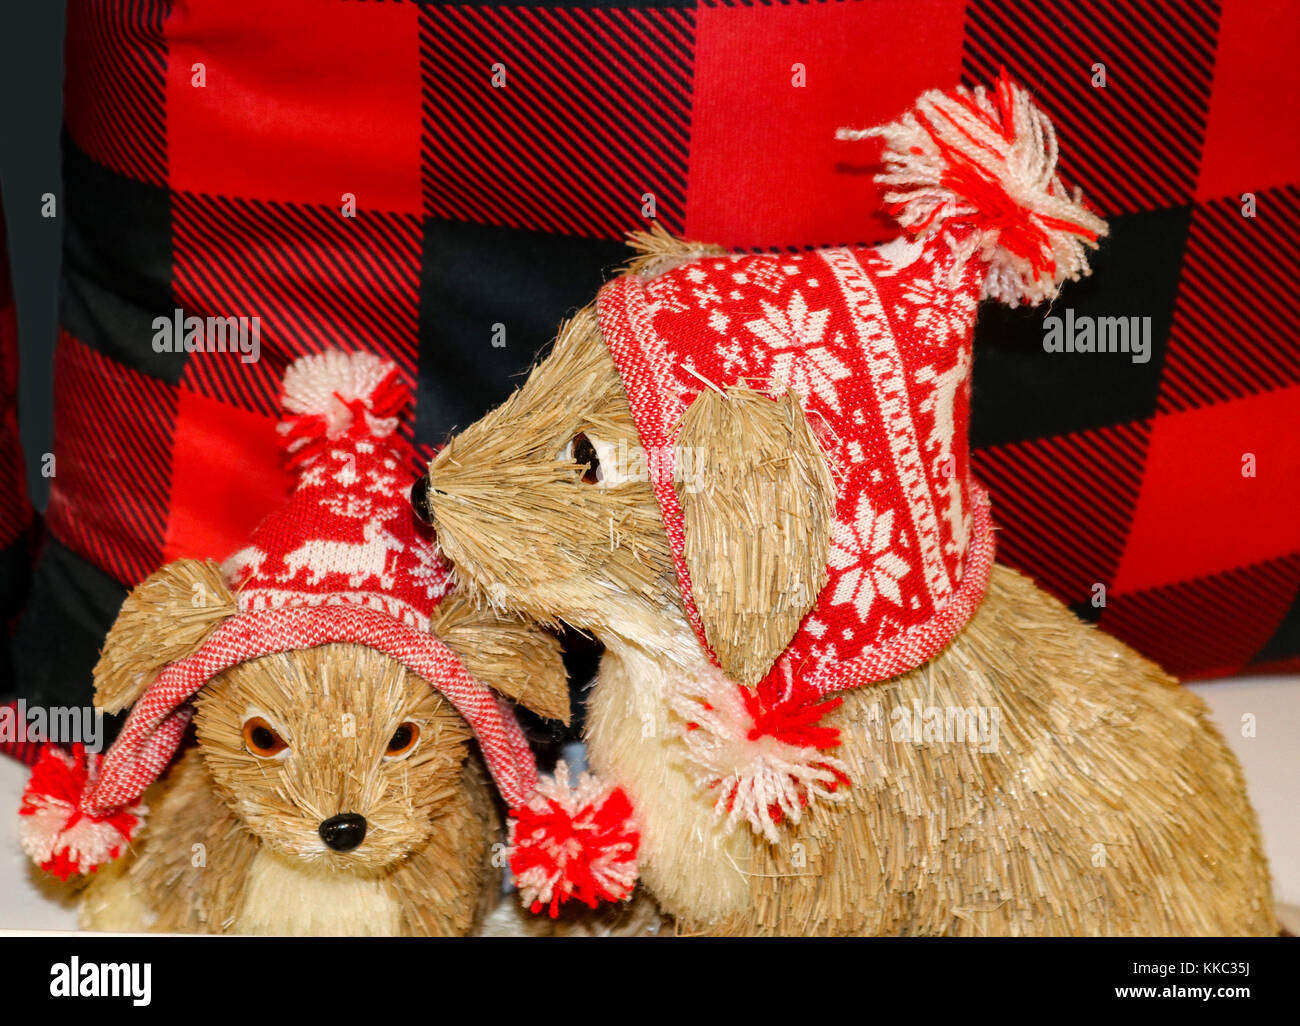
{"x": 496, "y": 154}
{"x": 15, "y": 508}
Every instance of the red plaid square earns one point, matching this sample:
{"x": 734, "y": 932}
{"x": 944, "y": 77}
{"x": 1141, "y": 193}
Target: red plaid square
{"x": 1134, "y": 143}
{"x": 1256, "y": 76}
{"x": 772, "y": 84}
{"x": 112, "y": 446}
{"x": 314, "y": 279}
{"x": 1210, "y": 625}
{"x": 116, "y": 59}
{"x": 222, "y": 482}
{"x": 1220, "y": 491}
{"x": 336, "y": 111}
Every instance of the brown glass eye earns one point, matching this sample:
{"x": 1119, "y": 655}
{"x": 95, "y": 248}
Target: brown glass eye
{"x": 261, "y": 739}
{"x": 585, "y": 452}
{"x": 403, "y": 740}
{"x": 420, "y": 499}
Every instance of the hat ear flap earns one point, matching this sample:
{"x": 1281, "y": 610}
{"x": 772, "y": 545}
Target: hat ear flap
{"x": 167, "y": 617}
{"x": 757, "y": 509}
{"x": 513, "y": 657}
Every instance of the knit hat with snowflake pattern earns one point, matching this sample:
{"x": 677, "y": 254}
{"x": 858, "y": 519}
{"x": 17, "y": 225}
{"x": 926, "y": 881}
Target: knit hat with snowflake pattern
{"x": 345, "y": 560}
{"x": 876, "y": 345}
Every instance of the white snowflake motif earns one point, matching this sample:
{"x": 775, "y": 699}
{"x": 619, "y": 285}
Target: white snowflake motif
{"x": 666, "y": 294}
{"x": 940, "y": 312}
{"x": 871, "y": 567}
{"x": 314, "y": 474}
{"x": 707, "y": 296}
{"x": 801, "y": 363}
{"x": 765, "y": 273}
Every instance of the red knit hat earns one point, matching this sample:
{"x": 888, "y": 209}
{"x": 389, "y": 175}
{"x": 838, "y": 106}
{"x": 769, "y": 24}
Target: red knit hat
{"x": 346, "y": 536}
{"x": 876, "y": 344}
{"x": 344, "y": 561}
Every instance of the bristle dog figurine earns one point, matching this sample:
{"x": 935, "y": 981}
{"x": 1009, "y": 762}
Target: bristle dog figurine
{"x": 832, "y": 713}
{"x": 334, "y": 693}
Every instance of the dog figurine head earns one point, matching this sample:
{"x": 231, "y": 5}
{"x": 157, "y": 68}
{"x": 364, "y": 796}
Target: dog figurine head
{"x": 800, "y": 420}
{"x": 546, "y": 506}
{"x": 337, "y": 754}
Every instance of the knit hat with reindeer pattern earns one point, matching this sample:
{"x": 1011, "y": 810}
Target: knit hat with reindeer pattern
{"x": 345, "y": 560}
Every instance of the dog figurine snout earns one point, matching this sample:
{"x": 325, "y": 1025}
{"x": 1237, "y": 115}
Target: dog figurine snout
{"x": 343, "y": 832}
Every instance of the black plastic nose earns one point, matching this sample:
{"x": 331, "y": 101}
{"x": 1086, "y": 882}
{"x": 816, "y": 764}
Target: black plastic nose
{"x": 420, "y": 499}
{"x": 344, "y": 831}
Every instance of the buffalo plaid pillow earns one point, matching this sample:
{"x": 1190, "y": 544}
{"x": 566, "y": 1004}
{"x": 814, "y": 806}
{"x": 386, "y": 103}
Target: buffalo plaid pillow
{"x": 443, "y": 182}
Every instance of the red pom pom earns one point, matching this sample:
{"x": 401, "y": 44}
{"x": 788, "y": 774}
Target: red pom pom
{"x": 573, "y": 843}
{"x": 55, "y": 832}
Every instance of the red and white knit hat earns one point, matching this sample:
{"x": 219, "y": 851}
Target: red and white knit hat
{"x": 876, "y": 344}
{"x": 345, "y": 561}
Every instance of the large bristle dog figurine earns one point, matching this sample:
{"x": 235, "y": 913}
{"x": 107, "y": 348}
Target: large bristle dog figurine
{"x": 334, "y": 693}
{"x": 748, "y": 476}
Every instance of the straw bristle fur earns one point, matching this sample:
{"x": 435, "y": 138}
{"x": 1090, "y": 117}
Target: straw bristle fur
{"x": 494, "y": 481}
{"x": 657, "y": 251}
{"x": 424, "y": 866}
{"x": 1106, "y": 804}
{"x": 166, "y": 617}
{"x": 516, "y": 658}
{"x": 757, "y": 526}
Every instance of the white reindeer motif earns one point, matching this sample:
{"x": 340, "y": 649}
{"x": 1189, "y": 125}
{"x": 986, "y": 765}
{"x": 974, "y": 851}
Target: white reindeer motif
{"x": 246, "y": 562}
{"x": 362, "y": 562}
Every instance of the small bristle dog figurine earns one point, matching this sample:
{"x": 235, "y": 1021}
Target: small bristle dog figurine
{"x": 749, "y": 477}
{"x": 334, "y": 692}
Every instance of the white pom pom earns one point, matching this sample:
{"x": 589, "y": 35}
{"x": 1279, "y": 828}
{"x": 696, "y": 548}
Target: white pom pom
{"x": 323, "y": 385}
{"x": 987, "y": 161}
{"x": 764, "y": 755}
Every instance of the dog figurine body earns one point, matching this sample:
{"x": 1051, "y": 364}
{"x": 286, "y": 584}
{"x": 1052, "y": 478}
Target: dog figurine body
{"x": 732, "y": 468}
{"x": 1111, "y": 805}
{"x": 334, "y": 696}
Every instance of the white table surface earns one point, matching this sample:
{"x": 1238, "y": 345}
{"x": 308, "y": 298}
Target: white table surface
{"x": 1271, "y": 760}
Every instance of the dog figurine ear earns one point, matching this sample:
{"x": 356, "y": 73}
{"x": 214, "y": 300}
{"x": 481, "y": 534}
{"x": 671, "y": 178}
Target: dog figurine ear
{"x": 166, "y": 617}
{"x": 757, "y": 512}
{"x": 517, "y": 659}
